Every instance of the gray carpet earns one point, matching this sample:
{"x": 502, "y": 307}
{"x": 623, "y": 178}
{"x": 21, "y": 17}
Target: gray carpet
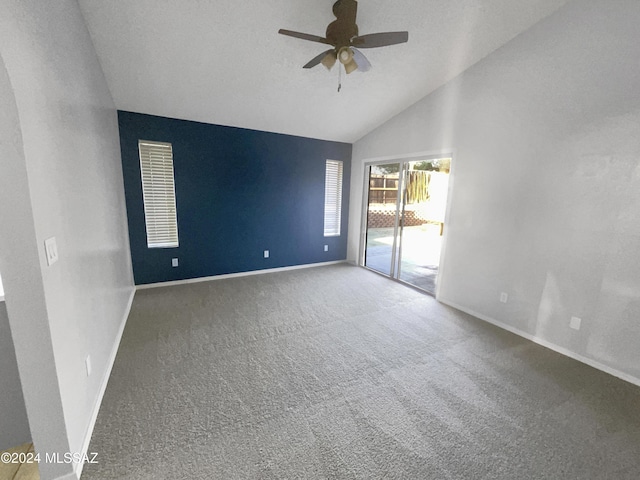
{"x": 339, "y": 373}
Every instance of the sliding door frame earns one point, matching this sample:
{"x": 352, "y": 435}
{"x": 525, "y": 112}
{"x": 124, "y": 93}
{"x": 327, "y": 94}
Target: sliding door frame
{"x": 402, "y": 160}
{"x": 363, "y": 226}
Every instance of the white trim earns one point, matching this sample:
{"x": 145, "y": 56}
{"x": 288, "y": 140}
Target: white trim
{"x": 364, "y": 205}
{"x": 410, "y": 157}
{"x": 333, "y": 189}
{"x": 545, "y": 343}
{"x": 105, "y": 380}
{"x": 445, "y": 236}
{"x": 158, "y": 193}
{"x": 235, "y": 275}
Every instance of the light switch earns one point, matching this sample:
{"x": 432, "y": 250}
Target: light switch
{"x": 51, "y": 250}
{"x": 174, "y": 262}
{"x": 575, "y": 323}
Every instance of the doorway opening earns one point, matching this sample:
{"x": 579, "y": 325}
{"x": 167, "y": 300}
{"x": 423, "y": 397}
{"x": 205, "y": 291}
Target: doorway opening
{"x": 405, "y": 218}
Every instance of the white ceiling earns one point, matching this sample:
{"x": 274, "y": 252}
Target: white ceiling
{"x": 223, "y": 62}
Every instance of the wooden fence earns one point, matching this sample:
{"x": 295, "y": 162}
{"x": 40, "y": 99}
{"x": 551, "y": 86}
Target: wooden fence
{"x": 383, "y": 189}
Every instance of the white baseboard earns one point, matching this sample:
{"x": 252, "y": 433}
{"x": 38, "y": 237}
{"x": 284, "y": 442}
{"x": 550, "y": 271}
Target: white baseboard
{"x": 70, "y": 476}
{"x": 235, "y": 275}
{"x": 103, "y": 386}
{"x": 551, "y": 346}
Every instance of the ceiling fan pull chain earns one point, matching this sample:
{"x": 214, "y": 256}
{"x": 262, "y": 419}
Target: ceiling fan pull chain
{"x": 339, "y": 77}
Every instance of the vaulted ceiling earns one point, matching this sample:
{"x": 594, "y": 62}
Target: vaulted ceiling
{"x": 223, "y": 61}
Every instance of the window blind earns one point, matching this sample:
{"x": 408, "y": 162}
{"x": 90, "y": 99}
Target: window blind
{"x": 158, "y": 191}
{"x": 332, "y": 198}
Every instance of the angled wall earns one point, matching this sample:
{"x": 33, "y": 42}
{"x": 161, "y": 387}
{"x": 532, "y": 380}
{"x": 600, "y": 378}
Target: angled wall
{"x": 24, "y": 291}
{"x": 546, "y": 182}
{"x": 238, "y": 192}
{"x": 63, "y": 179}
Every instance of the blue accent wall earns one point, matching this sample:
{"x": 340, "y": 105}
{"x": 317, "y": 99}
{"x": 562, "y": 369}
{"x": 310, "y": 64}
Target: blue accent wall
{"x": 238, "y": 192}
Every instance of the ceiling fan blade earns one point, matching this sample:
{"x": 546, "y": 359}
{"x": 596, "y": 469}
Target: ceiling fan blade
{"x": 330, "y": 59}
{"x": 375, "y": 40}
{"x": 318, "y": 59}
{"x": 361, "y": 60}
{"x": 303, "y": 36}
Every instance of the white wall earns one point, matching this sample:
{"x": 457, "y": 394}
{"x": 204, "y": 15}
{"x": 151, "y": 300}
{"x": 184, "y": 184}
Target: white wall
{"x": 25, "y": 302}
{"x": 546, "y": 192}
{"x": 14, "y": 425}
{"x": 67, "y": 182}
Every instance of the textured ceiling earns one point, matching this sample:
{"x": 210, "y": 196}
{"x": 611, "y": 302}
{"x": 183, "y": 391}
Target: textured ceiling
{"x": 223, "y": 61}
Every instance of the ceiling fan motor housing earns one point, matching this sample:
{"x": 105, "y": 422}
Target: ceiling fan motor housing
{"x": 341, "y": 31}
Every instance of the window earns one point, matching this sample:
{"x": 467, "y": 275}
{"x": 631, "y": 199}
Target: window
{"x": 158, "y": 192}
{"x": 333, "y": 198}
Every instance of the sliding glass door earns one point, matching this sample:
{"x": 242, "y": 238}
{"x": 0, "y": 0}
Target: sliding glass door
{"x": 382, "y": 217}
{"x": 406, "y": 204}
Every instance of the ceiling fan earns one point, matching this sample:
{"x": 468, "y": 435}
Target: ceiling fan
{"x": 342, "y": 34}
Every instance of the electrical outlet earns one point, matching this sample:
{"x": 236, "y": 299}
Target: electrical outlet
{"x": 575, "y": 323}
{"x": 504, "y": 297}
{"x": 266, "y": 254}
{"x": 174, "y": 262}
{"x": 51, "y": 250}
{"x": 87, "y": 363}
{"x": 326, "y": 248}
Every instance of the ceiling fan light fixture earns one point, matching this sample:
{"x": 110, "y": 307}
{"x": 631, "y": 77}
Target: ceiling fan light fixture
{"x": 350, "y": 67}
{"x": 329, "y": 60}
{"x": 345, "y": 55}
